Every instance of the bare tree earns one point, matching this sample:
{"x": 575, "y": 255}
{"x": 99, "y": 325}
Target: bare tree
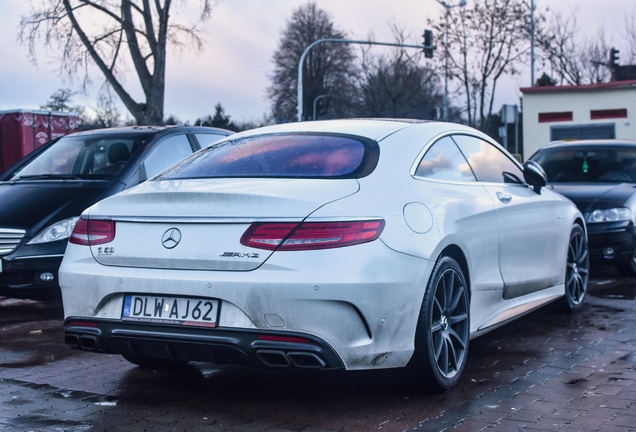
{"x": 630, "y": 31}
{"x": 572, "y": 60}
{"x": 106, "y": 112}
{"x": 329, "y": 69}
{"x": 109, "y": 34}
{"x": 397, "y": 85}
{"x": 486, "y": 40}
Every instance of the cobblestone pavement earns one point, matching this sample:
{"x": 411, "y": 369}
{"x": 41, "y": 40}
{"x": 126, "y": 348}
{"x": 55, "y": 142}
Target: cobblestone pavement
{"x": 546, "y": 371}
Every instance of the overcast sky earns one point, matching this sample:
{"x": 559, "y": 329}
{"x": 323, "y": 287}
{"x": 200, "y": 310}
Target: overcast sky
{"x": 240, "y": 39}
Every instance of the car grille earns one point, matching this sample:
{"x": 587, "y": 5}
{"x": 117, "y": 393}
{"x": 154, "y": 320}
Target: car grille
{"x": 9, "y": 239}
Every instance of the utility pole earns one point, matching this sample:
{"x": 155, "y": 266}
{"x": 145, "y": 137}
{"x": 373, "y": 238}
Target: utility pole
{"x": 334, "y": 40}
{"x": 448, "y": 8}
{"x": 532, "y": 43}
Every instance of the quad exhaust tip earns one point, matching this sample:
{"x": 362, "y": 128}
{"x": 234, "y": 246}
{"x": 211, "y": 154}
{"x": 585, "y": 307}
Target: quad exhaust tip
{"x": 72, "y": 340}
{"x": 85, "y": 342}
{"x": 306, "y": 360}
{"x": 88, "y": 342}
{"x": 303, "y": 360}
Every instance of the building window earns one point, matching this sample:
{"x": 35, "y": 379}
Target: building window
{"x": 608, "y": 114}
{"x": 555, "y": 116}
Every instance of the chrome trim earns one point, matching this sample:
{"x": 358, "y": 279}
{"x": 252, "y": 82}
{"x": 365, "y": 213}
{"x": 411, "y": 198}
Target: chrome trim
{"x": 343, "y": 219}
{"x": 517, "y": 311}
{"x": 10, "y": 238}
{"x": 230, "y": 220}
{"x": 188, "y": 219}
{"x": 12, "y": 231}
{"x": 38, "y": 257}
{"x": 171, "y": 238}
{"x": 441, "y": 135}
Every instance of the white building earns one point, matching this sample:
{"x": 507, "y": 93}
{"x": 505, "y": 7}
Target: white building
{"x": 595, "y": 111}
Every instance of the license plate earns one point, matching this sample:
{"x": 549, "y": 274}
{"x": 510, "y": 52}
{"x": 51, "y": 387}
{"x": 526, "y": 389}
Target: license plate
{"x": 187, "y": 311}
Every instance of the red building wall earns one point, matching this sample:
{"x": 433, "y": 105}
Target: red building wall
{"x": 22, "y": 131}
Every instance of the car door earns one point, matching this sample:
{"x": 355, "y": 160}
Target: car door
{"x": 526, "y": 220}
{"x": 463, "y": 209}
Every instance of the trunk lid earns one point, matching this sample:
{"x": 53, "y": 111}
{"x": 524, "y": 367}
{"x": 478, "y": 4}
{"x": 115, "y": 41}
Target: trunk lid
{"x": 198, "y": 224}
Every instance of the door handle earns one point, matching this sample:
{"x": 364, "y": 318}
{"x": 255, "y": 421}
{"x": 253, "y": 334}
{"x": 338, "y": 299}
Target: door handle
{"x": 504, "y": 197}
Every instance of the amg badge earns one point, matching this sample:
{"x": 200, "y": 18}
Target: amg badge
{"x": 239, "y": 255}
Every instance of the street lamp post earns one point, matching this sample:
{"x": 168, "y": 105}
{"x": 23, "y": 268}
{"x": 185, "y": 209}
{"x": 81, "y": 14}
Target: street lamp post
{"x": 448, "y": 8}
{"x": 335, "y": 40}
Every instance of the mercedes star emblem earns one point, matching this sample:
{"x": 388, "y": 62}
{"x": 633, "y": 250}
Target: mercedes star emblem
{"x": 171, "y": 238}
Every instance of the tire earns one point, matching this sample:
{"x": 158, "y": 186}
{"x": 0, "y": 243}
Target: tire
{"x": 443, "y": 330}
{"x": 576, "y": 270}
{"x": 154, "y": 363}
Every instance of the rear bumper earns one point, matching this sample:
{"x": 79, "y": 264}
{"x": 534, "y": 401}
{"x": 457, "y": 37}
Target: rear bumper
{"x": 361, "y": 304}
{"x": 219, "y": 345}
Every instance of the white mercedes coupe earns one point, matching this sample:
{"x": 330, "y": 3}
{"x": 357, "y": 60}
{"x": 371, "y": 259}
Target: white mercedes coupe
{"x": 346, "y": 244}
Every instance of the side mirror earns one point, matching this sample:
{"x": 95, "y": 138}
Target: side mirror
{"x": 534, "y": 175}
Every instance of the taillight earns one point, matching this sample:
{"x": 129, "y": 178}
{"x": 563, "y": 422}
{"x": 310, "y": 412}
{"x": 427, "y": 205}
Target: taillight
{"x": 90, "y": 232}
{"x": 310, "y": 235}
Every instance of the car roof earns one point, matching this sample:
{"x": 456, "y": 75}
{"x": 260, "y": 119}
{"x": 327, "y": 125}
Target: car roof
{"x": 151, "y": 129}
{"x": 589, "y": 143}
{"x": 375, "y": 129}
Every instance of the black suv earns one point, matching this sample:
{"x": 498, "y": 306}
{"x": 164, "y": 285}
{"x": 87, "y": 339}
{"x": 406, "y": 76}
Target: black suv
{"x": 43, "y": 195}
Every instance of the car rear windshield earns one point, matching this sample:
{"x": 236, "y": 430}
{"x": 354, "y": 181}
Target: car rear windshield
{"x": 282, "y": 156}
{"x": 588, "y": 164}
{"x": 84, "y": 156}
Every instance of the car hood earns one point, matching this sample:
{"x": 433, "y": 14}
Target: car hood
{"x": 33, "y": 205}
{"x": 592, "y": 196}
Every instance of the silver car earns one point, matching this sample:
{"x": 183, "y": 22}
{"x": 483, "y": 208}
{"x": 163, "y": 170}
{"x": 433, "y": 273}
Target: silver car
{"x": 348, "y": 244}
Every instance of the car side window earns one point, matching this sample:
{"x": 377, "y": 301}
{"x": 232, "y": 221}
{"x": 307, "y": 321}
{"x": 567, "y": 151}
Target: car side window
{"x": 488, "y": 162}
{"x": 165, "y": 154}
{"x": 206, "y": 140}
{"x": 444, "y": 161}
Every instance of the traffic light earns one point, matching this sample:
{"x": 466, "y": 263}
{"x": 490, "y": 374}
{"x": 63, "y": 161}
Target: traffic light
{"x": 428, "y": 44}
{"x": 613, "y": 60}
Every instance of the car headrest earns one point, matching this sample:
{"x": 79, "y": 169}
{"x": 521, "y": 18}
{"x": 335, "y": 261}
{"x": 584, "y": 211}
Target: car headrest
{"x": 118, "y": 152}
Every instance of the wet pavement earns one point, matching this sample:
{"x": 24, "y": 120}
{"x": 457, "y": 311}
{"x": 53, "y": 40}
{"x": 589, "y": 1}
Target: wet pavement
{"x": 545, "y": 371}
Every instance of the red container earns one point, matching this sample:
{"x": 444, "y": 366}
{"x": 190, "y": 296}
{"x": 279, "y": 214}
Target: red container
{"x": 22, "y": 131}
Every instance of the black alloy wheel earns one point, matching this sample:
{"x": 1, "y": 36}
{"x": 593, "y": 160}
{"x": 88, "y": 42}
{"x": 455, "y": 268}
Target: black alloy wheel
{"x": 577, "y": 270}
{"x": 443, "y": 332}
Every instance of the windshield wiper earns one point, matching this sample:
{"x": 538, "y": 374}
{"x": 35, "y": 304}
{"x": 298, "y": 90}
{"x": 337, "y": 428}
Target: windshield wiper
{"x": 47, "y": 177}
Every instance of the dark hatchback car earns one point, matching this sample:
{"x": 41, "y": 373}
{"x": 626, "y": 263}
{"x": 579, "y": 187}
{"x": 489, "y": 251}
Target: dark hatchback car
{"x": 43, "y": 195}
{"x": 599, "y": 176}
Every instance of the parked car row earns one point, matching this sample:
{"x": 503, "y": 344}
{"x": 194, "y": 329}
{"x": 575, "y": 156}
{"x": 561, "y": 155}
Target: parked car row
{"x": 350, "y": 244}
